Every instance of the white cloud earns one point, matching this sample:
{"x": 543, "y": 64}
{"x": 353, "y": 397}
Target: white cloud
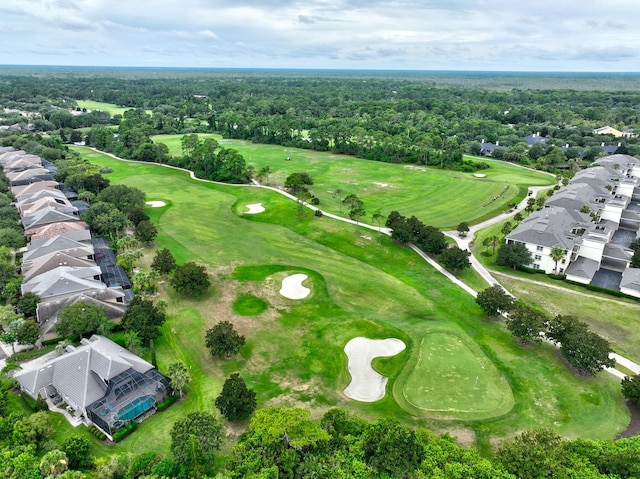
{"x": 409, "y": 34}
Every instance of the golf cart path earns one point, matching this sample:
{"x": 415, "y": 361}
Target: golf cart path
{"x": 463, "y": 243}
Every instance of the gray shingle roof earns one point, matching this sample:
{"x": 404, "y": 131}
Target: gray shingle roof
{"x": 112, "y": 300}
{"x": 46, "y": 216}
{"x": 551, "y": 227}
{"x": 62, "y": 282}
{"x": 51, "y": 261}
{"x": 583, "y": 268}
{"x": 59, "y": 242}
{"x": 81, "y": 375}
{"x": 631, "y": 279}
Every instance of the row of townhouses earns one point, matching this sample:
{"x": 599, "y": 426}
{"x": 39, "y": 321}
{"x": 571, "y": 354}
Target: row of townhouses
{"x": 63, "y": 264}
{"x": 594, "y": 220}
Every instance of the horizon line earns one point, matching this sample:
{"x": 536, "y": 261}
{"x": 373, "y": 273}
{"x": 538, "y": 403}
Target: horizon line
{"x": 329, "y": 69}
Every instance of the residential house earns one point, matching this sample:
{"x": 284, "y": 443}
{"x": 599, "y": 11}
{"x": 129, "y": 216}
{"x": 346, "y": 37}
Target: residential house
{"x": 607, "y": 130}
{"x": 29, "y": 176}
{"x": 534, "y": 138}
{"x": 48, "y": 215}
{"x": 101, "y": 382}
{"x": 71, "y": 229}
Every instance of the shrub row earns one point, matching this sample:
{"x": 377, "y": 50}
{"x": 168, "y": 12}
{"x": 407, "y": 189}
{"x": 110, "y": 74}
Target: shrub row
{"x": 162, "y": 405}
{"x": 120, "y": 434}
{"x": 600, "y": 289}
{"x": 531, "y": 270}
{"x": 97, "y": 433}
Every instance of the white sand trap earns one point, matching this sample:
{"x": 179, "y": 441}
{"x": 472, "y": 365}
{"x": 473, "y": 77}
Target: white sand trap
{"x": 255, "y": 208}
{"x": 479, "y": 175}
{"x": 367, "y": 385}
{"x": 381, "y": 185}
{"x": 156, "y": 204}
{"x": 292, "y": 287}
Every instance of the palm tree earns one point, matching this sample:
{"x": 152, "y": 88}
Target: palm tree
{"x": 338, "y": 192}
{"x": 507, "y": 227}
{"x": 557, "y": 254}
{"x": 494, "y": 240}
{"x": 377, "y": 217}
{"x": 179, "y": 376}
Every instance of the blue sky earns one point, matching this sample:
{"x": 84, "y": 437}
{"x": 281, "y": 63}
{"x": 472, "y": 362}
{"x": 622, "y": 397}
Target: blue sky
{"x": 545, "y": 35}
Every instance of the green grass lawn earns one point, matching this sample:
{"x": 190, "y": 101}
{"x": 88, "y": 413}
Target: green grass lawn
{"x": 110, "y": 108}
{"x": 440, "y": 198}
{"x": 453, "y": 378}
{"x": 362, "y": 284}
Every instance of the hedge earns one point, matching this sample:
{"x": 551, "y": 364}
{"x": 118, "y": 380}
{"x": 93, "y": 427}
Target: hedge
{"x": 120, "y": 434}
{"x": 162, "y": 405}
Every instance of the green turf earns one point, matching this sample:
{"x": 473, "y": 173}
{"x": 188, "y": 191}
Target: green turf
{"x": 453, "y": 378}
{"x": 363, "y": 285}
{"x": 441, "y": 198}
{"x": 108, "y": 107}
{"x": 247, "y": 304}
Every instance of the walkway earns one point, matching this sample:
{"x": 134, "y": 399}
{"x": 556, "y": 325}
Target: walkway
{"x": 463, "y": 243}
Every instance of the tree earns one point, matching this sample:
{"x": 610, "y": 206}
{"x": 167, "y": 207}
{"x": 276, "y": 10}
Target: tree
{"x": 28, "y": 332}
{"x": 28, "y": 303}
{"x": 455, "y": 259}
{"x": 53, "y": 463}
{"x": 144, "y": 318}
{"x": 179, "y": 376}
{"x": 145, "y": 232}
{"x": 400, "y": 229}
{"x": 11, "y": 238}
{"x": 630, "y": 389}
{"x": 190, "y": 279}
{"x": 463, "y": 228}
{"x": 163, "y": 261}
{"x": 123, "y": 197}
{"x": 355, "y": 207}
{"x": 583, "y": 349}
{"x": 376, "y": 218}
{"x": 537, "y": 454}
{"x": 136, "y": 215}
{"x": 297, "y": 182}
{"x": 526, "y": 323}
{"x": 392, "y": 448}
{"x": 506, "y": 228}
{"x": 264, "y": 174}
{"x": 105, "y": 219}
{"x": 81, "y": 319}
{"x": 557, "y": 253}
{"x": 194, "y": 439}
{"x": 513, "y": 255}
{"x": 338, "y": 192}
{"x": 518, "y": 217}
{"x": 236, "y": 401}
{"x": 133, "y": 343}
{"x": 494, "y": 300}
{"x": 223, "y": 340}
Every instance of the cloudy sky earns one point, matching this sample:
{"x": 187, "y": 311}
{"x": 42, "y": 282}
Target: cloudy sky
{"x": 542, "y": 35}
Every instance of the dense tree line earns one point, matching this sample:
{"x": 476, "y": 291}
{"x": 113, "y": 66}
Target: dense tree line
{"x": 387, "y": 118}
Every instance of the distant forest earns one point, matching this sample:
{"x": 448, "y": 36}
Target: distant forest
{"x": 395, "y": 117}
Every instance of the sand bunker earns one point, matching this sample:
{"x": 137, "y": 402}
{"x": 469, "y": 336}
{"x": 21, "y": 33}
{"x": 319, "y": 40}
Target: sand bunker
{"x": 479, "y": 175}
{"x": 366, "y": 384}
{"x": 292, "y": 287}
{"x": 156, "y": 204}
{"x": 381, "y": 185}
{"x": 255, "y": 208}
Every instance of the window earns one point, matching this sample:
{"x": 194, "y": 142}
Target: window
{"x": 564, "y": 261}
{"x": 561, "y": 270}
{"x": 539, "y": 248}
{"x": 538, "y": 257}
{"x": 536, "y": 266}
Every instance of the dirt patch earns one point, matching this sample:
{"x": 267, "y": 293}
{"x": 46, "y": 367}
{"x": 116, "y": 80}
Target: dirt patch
{"x": 464, "y": 437}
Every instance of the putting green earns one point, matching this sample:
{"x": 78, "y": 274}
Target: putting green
{"x": 454, "y": 378}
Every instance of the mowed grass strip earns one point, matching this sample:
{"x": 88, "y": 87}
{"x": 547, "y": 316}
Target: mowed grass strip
{"x": 441, "y": 198}
{"x": 454, "y": 378}
{"x": 110, "y": 108}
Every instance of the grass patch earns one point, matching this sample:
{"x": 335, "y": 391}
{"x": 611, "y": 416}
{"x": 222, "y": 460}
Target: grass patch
{"x": 249, "y": 305}
{"x": 110, "y": 108}
{"x": 454, "y": 378}
{"x": 384, "y": 187}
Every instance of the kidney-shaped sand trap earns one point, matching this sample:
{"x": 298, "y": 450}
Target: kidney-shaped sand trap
{"x": 156, "y": 204}
{"x": 255, "y": 208}
{"x": 367, "y": 385}
{"x": 292, "y": 287}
